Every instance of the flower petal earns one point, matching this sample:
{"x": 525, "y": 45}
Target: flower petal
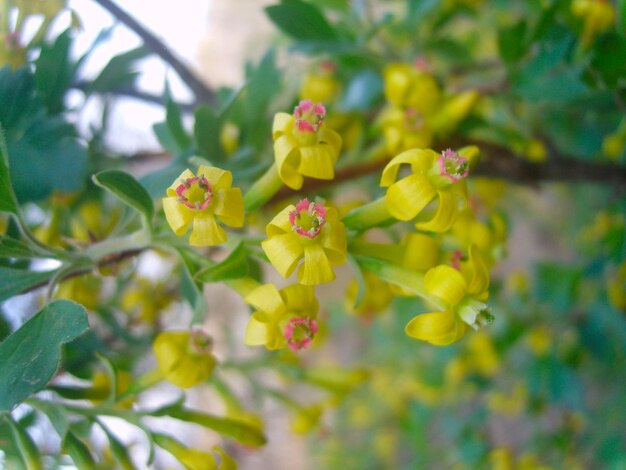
{"x": 287, "y": 157}
{"x": 206, "y": 232}
{"x": 316, "y": 268}
{"x": 178, "y": 216}
{"x": 419, "y": 159}
{"x": 439, "y": 328}
{"x": 171, "y": 191}
{"x": 257, "y": 333}
{"x": 317, "y": 161}
{"x": 301, "y": 299}
{"x": 446, "y": 283}
{"x": 280, "y": 223}
{"x": 421, "y": 252}
{"x": 445, "y": 216}
{"x": 228, "y": 206}
{"x": 267, "y": 299}
{"x": 407, "y": 197}
{"x": 330, "y": 137}
{"x": 282, "y": 124}
{"x": 478, "y": 275}
{"x": 218, "y": 178}
{"x": 284, "y": 251}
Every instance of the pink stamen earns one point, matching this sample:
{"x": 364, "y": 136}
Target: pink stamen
{"x": 457, "y": 257}
{"x": 422, "y": 64}
{"x": 308, "y": 218}
{"x": 309, "y": 117}
{"x": 200, "y": 342}
{"x": 305, "y": 326}
{"x": 183, "y": 196}
{"x": 452, "y": 165}
{"x": 413, "y": 119}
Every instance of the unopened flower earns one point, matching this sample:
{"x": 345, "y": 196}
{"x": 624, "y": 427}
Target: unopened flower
{"x": 434, "y": 176}
{"x": 282, "y": 318}
{"x": 597, "y": 16}
{"x": 463, "y": 294}
{"x": 303, "y": 146}
{"x": 199, "y": 200}
{"x": 309, "y": 232}
{"x": 184, "y": 357}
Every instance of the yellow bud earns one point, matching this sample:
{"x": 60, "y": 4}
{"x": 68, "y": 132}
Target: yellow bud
{"x": 306, "y": 419}
{"x": 616, "y": 288}
{"x": 229, "y": 138}
{"x": 319, "y": 88}
{"x": 539, "y": 340}
{"x": 184, "y": 358}
{"x": 536, "y": 151}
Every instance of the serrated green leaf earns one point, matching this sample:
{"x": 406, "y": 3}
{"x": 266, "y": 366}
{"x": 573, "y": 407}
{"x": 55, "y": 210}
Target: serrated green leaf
{"x": 15, "y": 281}
{"x": 238, "y": 430}
{"x": 301, "y": 20}
{"x": 233, "y": 267}
{"x": 120, "y": 71}
{"x": 30, "y": 356}
{"x": 13, "y": 248}
{"x": 126, "y": 188}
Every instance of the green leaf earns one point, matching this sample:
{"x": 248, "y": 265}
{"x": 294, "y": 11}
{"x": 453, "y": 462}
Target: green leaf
{"x": 27, "y": 448}
{"x": 363, "y": 91}
{"x": 301, "y": 20}
{"x": 8, "y": 202}
{"x": 608, "y": 58}
{"x": 56, "y": 415}
{"x": 157, "y": 182}
{"x": 238, "y": 430}
{"x": 511, "y": 41}
{"x": 119, "y": 451}
{"x": 54, "y": 72}
{"x": 126, "y": 188}
{"x": 358, "y": 274}
{"x": 15, "y": 281}
{"x": 120, "y": 71}
{"x": 206, "y": 132}
{"x": 557, "y": 285}
{"x": 79, "y": 452}
{"x": 174, "y": 123}
{"x": 13, "y": 248}
{"x": 233, "y": 267}
{"x": 29, "y": 357}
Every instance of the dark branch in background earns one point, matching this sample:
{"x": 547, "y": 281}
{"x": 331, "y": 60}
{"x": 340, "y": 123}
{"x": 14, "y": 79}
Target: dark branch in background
{"x": 496, "y": 162}
{"x": 202, "y": 93}
{"x": 132, "y": 92}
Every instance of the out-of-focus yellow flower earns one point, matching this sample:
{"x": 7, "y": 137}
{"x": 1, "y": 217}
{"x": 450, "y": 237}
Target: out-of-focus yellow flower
{"x": 462, "y": 293}
{"x": 83, "y": 289}
{"x": 4, "y": 223}
{"x": 539, "y": 340}
{"x": 102, "y": 385}
{"x": 614, "y": 144}
{"x": 529, "y": 461}
{"x": 199, "y": 200}
{"x": 598, "y": 16}
{"x": 489, "y": 237}
{"x": 12, "y": 52}
{"x": 482, "y": 355}
{"x": 283, "y": 318}
{"x": 405, "y": 129}
{"x": 500, "y": 459}
{"x": 434, "y": 176}
{"x": 308, "y": 232}
{"x": 349, "y": 126}
{"x": 508, "y": 404}
{"x": 616, "y": 288}
{"x": 48, "y": 8}
{"x": 536, "y": 151}
{"x": 193, "y": 459}
{"x": 320, "y": 86}
{"x": 90, "y": 224}
{"x": 183, "y": 357}
{"x": 146, "y": 299}
{"x": 376, "y": 297}
{"x": 303, "y": 145}
{"x": 229, "y": 138}
{"x": 306, "y": 419}
{"x": 406, "y": 86}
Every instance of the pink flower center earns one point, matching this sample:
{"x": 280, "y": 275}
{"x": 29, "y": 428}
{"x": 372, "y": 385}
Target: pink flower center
{"x": 308, "y": 218}
{"x": 200, "y": 342}
{"x": 195, "y": 193}
{"x": 299, "y": 332}
{"x": 308, "y": 116}
{"x": 413, "y": 119}
{"x": 452, "y": 165}
{"x": 457, "y": 257}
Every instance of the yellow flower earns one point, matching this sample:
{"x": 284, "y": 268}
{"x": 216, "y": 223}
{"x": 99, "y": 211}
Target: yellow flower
{"x": 434, "y": 176}
{"x": 320, "y": 86}
{"x": 462, "y": 294}
{"x": 411, "y": 87}
{"x": 283, "y": 318}
{"x": 146, "y": 299}
{"x": 489, "y": 237}
{"x": 376, "y": 298}
{"x": 306, "y": 419}
{"x": 12, "y": 52}
{"x": 200, "y": 200}
{"x": 83, "y": 289}
{"x": 598, "y": 16}
{"x": 616, "y": 288}
{"x": 303, "y": 146}
{"x": 193, "y": 459}
{"x": 308, "y": 232}
{"x": 184, "y": 358}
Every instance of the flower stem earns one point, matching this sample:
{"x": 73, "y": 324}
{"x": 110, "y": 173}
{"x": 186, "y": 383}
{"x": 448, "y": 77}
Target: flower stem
{"x": 368, "y": 215}
{"x": 143, "y": 382}
{"x": 263, "y": 189}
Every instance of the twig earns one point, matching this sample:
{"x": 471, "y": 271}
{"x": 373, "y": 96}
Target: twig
{"x": 202, "y": 93}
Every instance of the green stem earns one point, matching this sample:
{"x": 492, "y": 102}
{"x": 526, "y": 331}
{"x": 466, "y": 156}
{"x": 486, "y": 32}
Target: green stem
{"x": 141, "y": 383}
{"x": 390, "y": 252}
{"x": 369, "y": 215}
{"x": 263, "y": 189}
{"x": 405, "y": 278}
{"x": 137, "y": 240}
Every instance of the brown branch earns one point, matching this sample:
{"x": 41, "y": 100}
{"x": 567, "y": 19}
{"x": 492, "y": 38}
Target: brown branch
{"x": 202, "y": 93}
{"x": 497, "y": 162}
